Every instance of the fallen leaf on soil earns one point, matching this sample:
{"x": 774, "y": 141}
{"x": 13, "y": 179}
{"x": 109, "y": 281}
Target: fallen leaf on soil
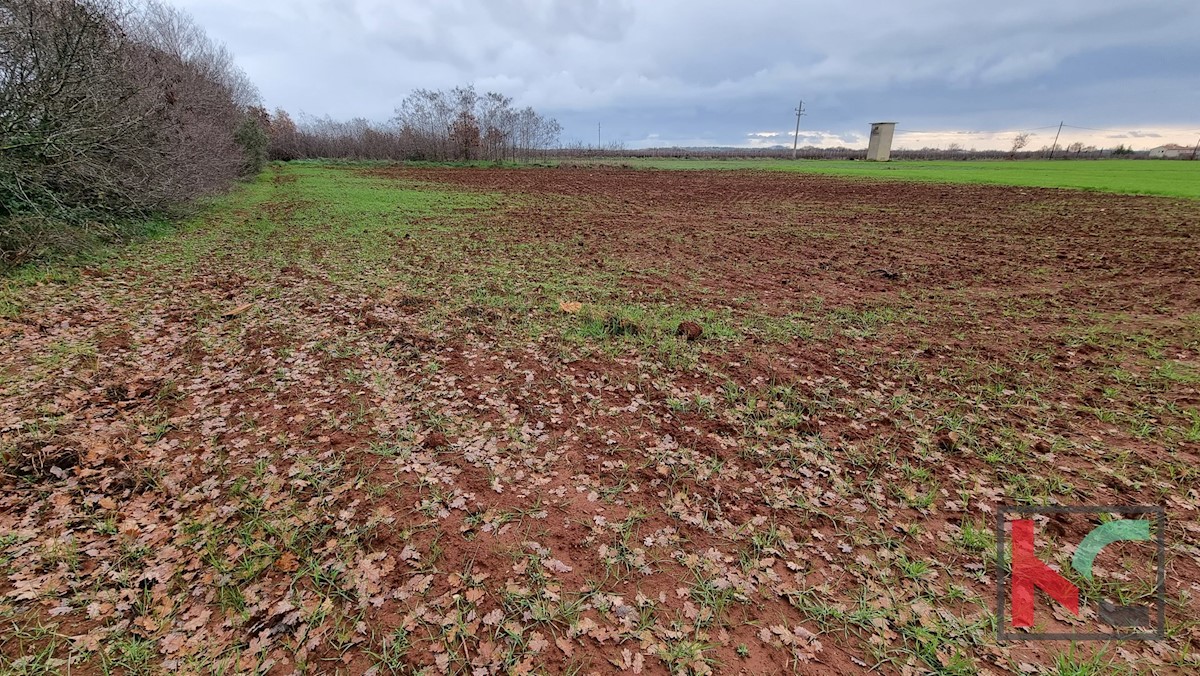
{"x": 287, "y": 563}
{"x": 237, "y": 311}
{"x": 570, "y": 307}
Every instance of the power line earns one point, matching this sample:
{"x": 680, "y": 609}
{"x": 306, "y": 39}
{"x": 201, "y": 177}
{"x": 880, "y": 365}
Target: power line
{"x": 1115, "y": 131}
{"x": 974, "y": 132}
{"x": 1017, "y": 129}
{"x": 1060, "y": 127}
{"x": 1128, "y": 131}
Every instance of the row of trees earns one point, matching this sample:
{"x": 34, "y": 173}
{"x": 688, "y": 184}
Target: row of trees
{"x": 458, "y": 124}
{"x": 461, "y": 124}
{"x": 581, "y": 152}
{"x": 1077, "y": 148}
{"x": 111, "y": 110}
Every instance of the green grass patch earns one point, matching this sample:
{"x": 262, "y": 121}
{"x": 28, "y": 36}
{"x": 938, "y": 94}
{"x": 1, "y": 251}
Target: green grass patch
{"x": 1135, "y": 177}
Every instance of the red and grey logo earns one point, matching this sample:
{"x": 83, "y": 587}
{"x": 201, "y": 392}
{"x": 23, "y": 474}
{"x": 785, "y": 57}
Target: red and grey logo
{"x": 1028, "y": 573}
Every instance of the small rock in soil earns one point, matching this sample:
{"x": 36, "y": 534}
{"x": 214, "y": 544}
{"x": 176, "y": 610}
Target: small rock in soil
{"x": 689, "y": 330}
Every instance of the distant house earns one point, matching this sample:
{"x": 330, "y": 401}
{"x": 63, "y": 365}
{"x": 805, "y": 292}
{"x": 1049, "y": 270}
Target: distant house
{"x": 1172, "y": 151}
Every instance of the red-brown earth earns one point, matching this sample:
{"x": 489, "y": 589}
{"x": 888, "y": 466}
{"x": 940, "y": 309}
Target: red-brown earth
{"x": 411, "y": 451}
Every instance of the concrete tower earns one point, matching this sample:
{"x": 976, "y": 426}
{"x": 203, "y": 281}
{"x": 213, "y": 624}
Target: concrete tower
{"x": 880, "y": 147}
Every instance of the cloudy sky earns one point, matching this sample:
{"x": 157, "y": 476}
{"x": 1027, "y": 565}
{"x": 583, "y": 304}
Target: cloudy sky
{"x": 707, "y": 72}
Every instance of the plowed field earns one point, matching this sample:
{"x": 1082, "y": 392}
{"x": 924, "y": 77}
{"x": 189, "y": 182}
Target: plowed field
{"x": 356, "y": 420}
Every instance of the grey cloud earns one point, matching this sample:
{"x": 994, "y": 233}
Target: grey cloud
{"x": 593, "y": 19}
{"x": 715, "y": 71}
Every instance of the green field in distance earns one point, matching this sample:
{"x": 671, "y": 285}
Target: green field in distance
{"x": 1174, "y": 178}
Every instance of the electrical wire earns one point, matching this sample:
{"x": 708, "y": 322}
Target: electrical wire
{"x": 903, "y": 130}
{"x": 974, "y": 132}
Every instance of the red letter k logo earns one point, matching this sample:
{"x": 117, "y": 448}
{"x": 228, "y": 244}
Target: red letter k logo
{"x": 1029, "y": 572}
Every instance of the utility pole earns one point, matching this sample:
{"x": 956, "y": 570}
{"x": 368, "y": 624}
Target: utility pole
{"x": 597, "y": 136}
{"x": 1060, "y": 126}
{"x": 1195, "y": 150}
{"x": 796, "y": 140}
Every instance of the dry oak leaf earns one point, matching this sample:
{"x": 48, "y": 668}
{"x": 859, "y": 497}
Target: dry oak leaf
{"x": 237, "y": 311}
{"x": 570, "y": 307}
{"x": 493, "y": 618}
{"x": 287, "y": 563}
{"x": 538, "y": 642}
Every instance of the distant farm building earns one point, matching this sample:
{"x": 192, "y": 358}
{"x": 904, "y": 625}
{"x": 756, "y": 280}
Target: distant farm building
{"x": 1172, "y": 151}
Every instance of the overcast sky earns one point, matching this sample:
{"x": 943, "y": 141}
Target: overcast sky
{"x": 703, "y": 72}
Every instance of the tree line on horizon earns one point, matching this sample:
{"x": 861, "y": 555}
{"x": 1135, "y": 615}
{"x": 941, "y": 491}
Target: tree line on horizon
{"x": 114, "y": 112}
{"x": 436, "y": 125}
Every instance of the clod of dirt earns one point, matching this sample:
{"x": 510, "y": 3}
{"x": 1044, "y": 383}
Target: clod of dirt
{"x": 1041, "y": 446}
{"x": 435, "y": 441}
{"x": 807, "y": 426}
{"x": 948, "y": 441}
{"x": 689, "y": 330}
{"x": 374, "y": 321}
{"x": 620, "y": 326}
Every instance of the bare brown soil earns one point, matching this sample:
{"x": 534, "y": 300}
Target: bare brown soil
{"x": 776, "y": 237}
{"x": 284, "y": 488}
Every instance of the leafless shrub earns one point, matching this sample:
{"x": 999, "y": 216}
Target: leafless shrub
{"x": 109, "y": 111}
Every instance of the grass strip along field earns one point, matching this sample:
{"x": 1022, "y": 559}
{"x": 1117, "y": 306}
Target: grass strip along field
{"x": 1133, "y": 177}
{"x": 361, "y": 419}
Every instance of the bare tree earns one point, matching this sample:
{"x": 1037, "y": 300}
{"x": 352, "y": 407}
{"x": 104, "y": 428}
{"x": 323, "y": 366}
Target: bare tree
{"x": 465, "y": 132}
{"x": 1020, "y": 141}
{"x": 460, "y": 124}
